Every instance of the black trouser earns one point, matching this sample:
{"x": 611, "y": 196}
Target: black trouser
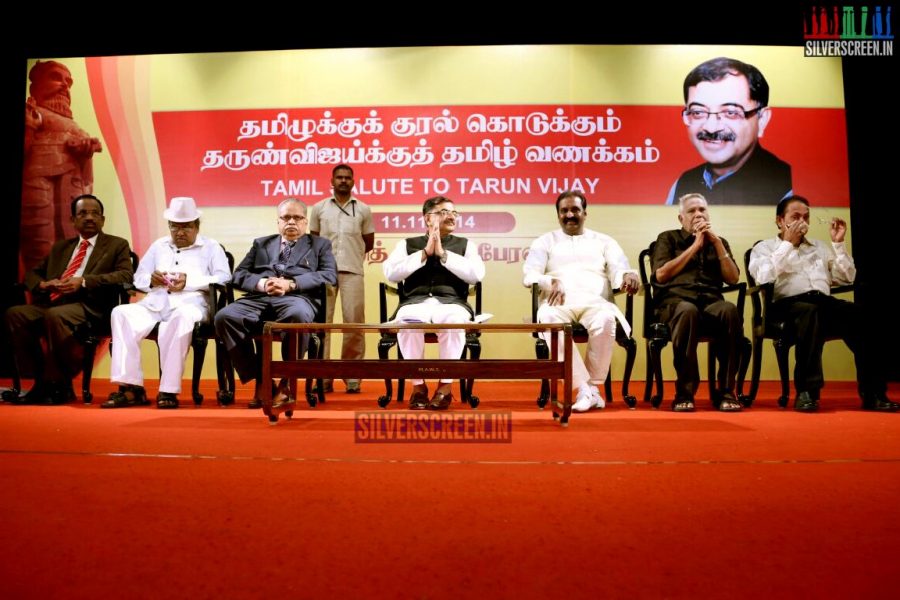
{"x": 236, "y": 323}
{"x": 815, "y": 317}
{"x": 687, "y": 321}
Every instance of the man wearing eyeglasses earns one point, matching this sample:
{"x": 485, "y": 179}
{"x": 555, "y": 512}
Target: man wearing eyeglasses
{"x": 175, "y": 272}
{"x": 347, "y": 222}
{"x": 280, "y": 275}
{"x": 726, "y": 112}
{"x": 434, "y": 271}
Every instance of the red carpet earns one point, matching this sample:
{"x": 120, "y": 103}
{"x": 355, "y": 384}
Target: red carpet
{"x": 214, "y": 502}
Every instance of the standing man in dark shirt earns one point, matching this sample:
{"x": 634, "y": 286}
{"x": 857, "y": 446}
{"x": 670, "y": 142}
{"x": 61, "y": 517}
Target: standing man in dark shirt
{"x": 690, "y": 265}
{"x": 726, "y": 111}
{"x": 347, "y": 222}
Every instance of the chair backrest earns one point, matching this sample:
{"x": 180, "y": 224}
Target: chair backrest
{"x": 645, "y": 268}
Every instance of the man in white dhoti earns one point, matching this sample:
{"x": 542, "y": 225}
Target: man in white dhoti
{"x": 577, "y": 269}
{"x": 176, "y": 272}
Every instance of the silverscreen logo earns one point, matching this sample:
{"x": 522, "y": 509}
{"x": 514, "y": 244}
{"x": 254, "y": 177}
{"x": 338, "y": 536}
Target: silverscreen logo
{"x": 404, "y": 427}
{"x": 848, "y": 31}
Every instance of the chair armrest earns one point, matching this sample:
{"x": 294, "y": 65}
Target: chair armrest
{"x": 741, "y": 289}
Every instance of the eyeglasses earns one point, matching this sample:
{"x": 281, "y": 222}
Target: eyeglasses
{"x": 732, "y": 113}
{"x": 445, "y": 212}
{"x": 180, "y": 226}
{"x": 289, "y": 218}
{"x": 88, "y": 213}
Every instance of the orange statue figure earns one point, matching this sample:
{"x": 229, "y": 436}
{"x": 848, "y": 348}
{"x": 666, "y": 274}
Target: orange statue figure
{"x": 58, "y": 161}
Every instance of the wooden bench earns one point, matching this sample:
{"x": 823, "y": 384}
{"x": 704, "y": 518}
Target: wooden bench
{"x": 553, "y": 368}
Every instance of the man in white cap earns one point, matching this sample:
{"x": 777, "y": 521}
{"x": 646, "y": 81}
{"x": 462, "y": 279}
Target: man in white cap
{"x": 176, "y": 272}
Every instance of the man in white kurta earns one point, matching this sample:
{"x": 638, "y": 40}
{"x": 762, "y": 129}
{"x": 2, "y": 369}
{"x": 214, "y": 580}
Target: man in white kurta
{"x": 176, "y": 272}
{"x": 435, "y": 270}
{"x": 577, "y": 269}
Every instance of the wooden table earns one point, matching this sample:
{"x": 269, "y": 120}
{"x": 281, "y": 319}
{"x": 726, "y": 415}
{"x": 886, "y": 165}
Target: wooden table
{"x": 553, "y": 368}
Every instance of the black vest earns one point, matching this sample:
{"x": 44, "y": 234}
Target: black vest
{"x": 433, "y": 279}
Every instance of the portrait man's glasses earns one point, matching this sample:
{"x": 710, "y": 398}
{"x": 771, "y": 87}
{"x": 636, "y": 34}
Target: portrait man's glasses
{"x": 289, "y": 218}
{"x": 732, "y": 113}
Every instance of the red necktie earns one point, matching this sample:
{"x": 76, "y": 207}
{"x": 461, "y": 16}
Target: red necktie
{"x": 73, "y": 266}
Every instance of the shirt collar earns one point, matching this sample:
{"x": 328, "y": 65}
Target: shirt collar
{"x": 91, "y": 240}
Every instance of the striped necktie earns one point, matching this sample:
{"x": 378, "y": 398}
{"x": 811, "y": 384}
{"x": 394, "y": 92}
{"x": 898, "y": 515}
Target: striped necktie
{"x": 73, "y": 266}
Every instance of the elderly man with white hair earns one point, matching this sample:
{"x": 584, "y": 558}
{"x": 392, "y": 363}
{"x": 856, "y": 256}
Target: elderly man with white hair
{"x": 176, "y": 272}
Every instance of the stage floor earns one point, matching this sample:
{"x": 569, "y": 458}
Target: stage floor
{"x": 215, "y": 502}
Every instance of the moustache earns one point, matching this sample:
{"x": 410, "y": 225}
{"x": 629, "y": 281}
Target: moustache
{"x": 716, "y": 136}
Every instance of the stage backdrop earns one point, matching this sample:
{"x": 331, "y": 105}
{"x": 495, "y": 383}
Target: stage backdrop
{"x": 500, "y": 130}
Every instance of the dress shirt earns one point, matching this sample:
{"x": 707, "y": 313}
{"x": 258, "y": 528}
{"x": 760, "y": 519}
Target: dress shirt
{"x": 400, "y": 265}
{"x": 811, "y": 266}
{"x": 589, "y": 265}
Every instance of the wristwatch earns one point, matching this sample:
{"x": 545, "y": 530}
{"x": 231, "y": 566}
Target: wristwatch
{"x": 444, "y": 257}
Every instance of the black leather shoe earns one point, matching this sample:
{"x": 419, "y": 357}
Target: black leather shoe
{"x": 805, "y": 403}
{"x": 61, "y": 394}
{"x": 418, "y": 401}
{"x": 255, "y": 403}
{"x": 440, "y": 401}
{"x": 879, "y": 402}
{"x": 10, "y": 395}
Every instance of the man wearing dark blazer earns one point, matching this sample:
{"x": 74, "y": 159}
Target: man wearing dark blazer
{"x": 78, "y": 282}
{"x": 280, "y": 275}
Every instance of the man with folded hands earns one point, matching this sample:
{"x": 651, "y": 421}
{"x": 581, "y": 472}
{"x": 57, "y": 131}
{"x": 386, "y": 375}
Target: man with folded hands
{"x": 435, "y": 271}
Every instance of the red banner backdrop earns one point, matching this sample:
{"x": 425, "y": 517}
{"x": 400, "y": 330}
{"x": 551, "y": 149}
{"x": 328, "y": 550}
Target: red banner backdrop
{"x": 473, "y": 154}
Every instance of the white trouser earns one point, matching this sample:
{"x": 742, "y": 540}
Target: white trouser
{"x": 600, "y": 321}
{"x": 451, "y": 342}
{"x": 131, "y": 323}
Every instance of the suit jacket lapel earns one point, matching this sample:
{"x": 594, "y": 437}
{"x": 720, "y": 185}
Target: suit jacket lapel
{"x": 97, "y": 253}
{"x": 273, "y": 249}
{"x": 301, "y": 249}
{"x": 61, "y": 260}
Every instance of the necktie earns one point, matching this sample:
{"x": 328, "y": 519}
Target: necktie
{"x": 73, "y": 266}
{"x": 286, "y": 252}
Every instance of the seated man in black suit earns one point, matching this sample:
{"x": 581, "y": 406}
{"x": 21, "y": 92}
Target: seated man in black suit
{"x": 79, "y": 281}
{"x": 279, "y": 274}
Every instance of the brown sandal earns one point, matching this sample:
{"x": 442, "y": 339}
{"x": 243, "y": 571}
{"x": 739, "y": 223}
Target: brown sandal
{"x": 127, "y": 395}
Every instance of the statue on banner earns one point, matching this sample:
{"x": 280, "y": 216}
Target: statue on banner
{"x": 58, "y": 161}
